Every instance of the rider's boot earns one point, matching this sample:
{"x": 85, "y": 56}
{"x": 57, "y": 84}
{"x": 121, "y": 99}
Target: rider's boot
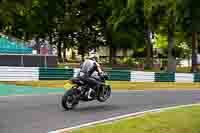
{"x": 89, "y": 93}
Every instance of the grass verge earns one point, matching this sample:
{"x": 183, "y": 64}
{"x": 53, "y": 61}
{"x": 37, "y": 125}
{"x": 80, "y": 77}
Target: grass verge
{"x": 117, "y": 85}
{"x": 182, "y": 120}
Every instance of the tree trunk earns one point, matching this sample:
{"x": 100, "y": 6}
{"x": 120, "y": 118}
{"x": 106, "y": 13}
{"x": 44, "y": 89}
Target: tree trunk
{"x": 108, "y": 36}
{"x": 64, "y": 55}
{"x": 73, "y": 55}
{"x": 149, "y": 58}
{"x": 37, "y": 46}
{"x": 50, "y": 39}
{"x": 64, "y": 51}
{"x": 112, "y": 55}
{"x": 59, "y": 50}
{"x": 125, "y": 52}
{"x": 26, "y": 36}
{"x": 82, "y": 56}
{"x": 171, "y": 44}
{"x": 194, "y": 51}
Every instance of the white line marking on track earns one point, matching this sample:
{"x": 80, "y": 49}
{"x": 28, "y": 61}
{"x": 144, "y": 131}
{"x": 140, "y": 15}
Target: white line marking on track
{"x": 122, "y": 117}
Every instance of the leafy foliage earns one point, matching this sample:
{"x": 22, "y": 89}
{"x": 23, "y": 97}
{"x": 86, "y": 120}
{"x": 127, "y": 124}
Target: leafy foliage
{"x": 88, "y": 24}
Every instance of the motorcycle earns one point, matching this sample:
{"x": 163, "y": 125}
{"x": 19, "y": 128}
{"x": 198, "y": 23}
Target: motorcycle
{"x": 79, "y": 92}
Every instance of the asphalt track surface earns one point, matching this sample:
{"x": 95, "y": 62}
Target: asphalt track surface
{"x": 41, "y": 114}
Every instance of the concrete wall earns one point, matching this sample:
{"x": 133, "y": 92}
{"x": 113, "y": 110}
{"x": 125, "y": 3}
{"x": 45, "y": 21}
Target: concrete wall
{"x": 28, "y": 60}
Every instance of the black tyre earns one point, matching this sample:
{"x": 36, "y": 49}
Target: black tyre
{"x": 104, "y": 95}
{"x": 69, "y": 100}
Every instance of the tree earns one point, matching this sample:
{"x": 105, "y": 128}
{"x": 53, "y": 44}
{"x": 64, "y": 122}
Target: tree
{"x": 126, "y": 25}
{"x": 150, "y": 8}
{"x": 194, "y": 9}
{"x": 194, "y": 51}
{"x": 189, "y": 20}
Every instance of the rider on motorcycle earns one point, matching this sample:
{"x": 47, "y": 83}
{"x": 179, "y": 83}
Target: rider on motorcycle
{"x": 87, "y": 69}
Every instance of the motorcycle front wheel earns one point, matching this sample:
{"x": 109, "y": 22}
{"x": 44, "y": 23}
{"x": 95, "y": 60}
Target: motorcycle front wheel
{"x": 69, "y": 100}
{"x": 104, "y": 94}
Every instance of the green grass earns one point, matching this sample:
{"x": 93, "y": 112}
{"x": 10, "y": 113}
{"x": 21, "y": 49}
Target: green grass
{"x": 182, "y": 120}
{"x": 116, "y": 85}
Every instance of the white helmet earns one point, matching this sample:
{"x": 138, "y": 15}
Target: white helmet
{"x": 94, "y": 56}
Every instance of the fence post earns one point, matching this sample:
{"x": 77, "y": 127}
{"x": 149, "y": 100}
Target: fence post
{"x": 22, "y": 60}
{"x": 45, "y": 61}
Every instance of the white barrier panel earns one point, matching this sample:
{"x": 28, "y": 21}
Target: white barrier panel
{"x": 184, "y": 77}
{"x": 76, "y": 71}
{"x": 19, "y": 73}
{"x": 132, "y": 78}
{"x": 139, "y": 76}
